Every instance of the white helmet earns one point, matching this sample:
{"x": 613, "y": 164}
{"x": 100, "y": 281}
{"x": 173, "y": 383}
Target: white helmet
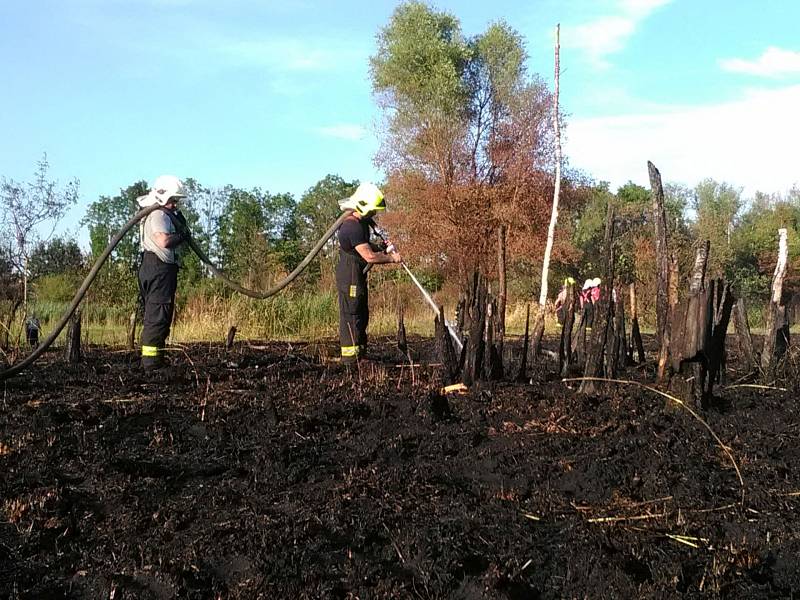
{"x": 587, "y": 284}
{"x": 596, "y": 282}
{"x": 163, "y": 188}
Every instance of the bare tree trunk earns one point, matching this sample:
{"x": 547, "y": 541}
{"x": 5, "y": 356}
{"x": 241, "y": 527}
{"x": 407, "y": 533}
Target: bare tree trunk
{"x": 444, "y": 346}
{"x": 743, "y": 337}
{"x": 132, "y": 329}
{"x": 502, "y": 291}
{"x": 230, "y": 337}
{"x": 690, "y": 324}
{"x": 24, "y": 287}
{"x": 73, "y": 347}
{"x": 565, "y": 347}
{"x": 636, "y": 336}
{"x": 475, "y": 347}
{"x": 662, "y": 268}
{"x": 603, "y": 317}
{"x": 776, "y": 334}
{"x": 620, "y": 335}
{"x": 523, "y": 365}
{"x": 538, "y": 327}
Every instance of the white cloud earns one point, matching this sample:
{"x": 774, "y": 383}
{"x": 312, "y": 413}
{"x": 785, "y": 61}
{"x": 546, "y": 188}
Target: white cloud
{"x": 344, "y": 131}
{"x": 750, "y": 142}
{"x": 772, "y": 63}
{"x": 609, "y": 33}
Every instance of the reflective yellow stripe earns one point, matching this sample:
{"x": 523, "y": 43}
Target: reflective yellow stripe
{"x": 349, "y": 350}
{"x": 150, "y": 351}
{"x": 353, "y": 291}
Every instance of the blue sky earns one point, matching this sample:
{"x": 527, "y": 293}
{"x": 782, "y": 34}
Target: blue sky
{"x": 277, "y": 94}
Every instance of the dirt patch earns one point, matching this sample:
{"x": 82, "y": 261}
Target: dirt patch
{"x": 271, "y": 472}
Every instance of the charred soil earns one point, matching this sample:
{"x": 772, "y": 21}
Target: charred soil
{"x": 274, "y": 472}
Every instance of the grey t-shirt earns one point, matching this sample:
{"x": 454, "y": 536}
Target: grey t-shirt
{"x": 158, "y": 222}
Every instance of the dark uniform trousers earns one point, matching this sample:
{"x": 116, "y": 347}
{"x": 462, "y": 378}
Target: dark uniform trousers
{"x": 351, "y": 285}
{"x": 158, "y": 281}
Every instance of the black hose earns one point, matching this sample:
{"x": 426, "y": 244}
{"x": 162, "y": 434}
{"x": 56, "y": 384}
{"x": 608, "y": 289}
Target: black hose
{"x": 76, "y": 300}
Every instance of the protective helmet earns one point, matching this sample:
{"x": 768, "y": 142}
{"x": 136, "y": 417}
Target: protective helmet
{"x": 163, "y": 188}
{"x": 569, "y": 281}
{"x": 587, "y": 284}
{"x": 367, "y": 199}
{"x": 596, "y": 282}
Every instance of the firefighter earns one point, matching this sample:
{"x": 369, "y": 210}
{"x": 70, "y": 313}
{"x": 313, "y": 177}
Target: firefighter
{"x": 355, "y": 253}
{"x": 158, "y": 271}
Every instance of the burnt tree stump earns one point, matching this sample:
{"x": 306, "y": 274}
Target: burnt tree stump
{"x": 699, "y": 326}
{"x": 475, "y": 347}
{"x": 565, "y": 345}
{"x": 743, "y": 337}
{"x": 597, "y": 364}
{"x": 776, "y": 334}
{"x": 230, "y": 337}
{"x": 132, "y": 329}
{"x": 636, "y": 335}
{"x": 73, "y": 345}
{"x": 451, "y": 366}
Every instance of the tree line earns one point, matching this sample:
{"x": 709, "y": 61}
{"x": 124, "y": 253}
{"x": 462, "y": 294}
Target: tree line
{"x": 466, "y": 149}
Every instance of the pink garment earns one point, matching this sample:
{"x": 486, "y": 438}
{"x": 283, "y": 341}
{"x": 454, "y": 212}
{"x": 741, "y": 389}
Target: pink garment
{"x": 595, "y": 294}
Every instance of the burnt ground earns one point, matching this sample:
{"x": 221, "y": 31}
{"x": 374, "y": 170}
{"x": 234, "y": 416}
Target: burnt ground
{"x": 272, "y": 472}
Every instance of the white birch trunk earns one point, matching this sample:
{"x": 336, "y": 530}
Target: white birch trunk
{"x": 557, "y": 187}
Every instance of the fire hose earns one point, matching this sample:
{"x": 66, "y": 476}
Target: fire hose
{"x": 448, "y": 325}
{"x": 76, "y": 300}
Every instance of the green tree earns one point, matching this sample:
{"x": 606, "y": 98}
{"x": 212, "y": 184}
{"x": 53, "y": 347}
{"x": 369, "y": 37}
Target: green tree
{"x": 319, "y": 208}
{"x": 26, "y": 209}
{"x": 57, "y": 256}
{"x": 754, "y": 243}
{"x": 105, "y": 217}
{"x": 716, "y": 207}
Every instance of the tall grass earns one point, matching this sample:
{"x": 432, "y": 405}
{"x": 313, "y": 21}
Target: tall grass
{"x": 310, "y": 314}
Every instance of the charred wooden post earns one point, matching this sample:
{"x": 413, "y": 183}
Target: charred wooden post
{"x": 690, "y": 325}
{"x": 132, "y": 329}
{"x": 744, "y": 339}
{"x": 603, "y": 316}
{"x": 699, "y": 327}
{"x": 722, "y": 306}
{"x": 776, "y": 331}
{"x": 636, "y": 336}
{"x": 402, "y": 341}
{"x": 73, "y": 346}
{"x": 230, "y": 337}
{"x": 475, "y": 347}
{"x": 661, "y": 239}
{"x": 565, "y": 345}
{"x": 579, "y": 338}
{"x": 523, "y": 365}
{"x": 444, "y": 346}
{"x": 493, "y": 364}
{"x": 620, "y": 336}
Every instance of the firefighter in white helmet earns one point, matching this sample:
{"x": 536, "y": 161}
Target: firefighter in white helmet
{"x": 355, "y": 253}
{"x": 158, "y": 271}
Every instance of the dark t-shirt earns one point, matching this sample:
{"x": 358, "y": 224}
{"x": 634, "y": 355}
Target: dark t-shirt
{"x": 352, "y": 233}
